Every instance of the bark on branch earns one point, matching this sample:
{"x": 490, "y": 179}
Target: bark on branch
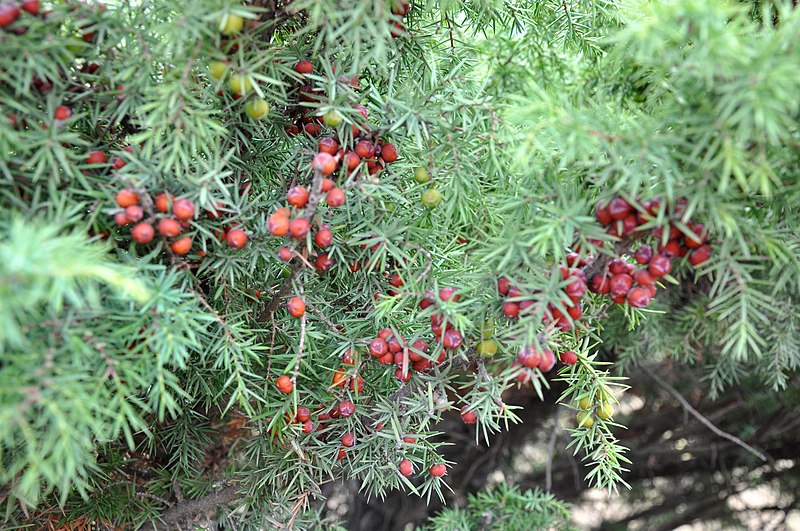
{"x": 188, "y": 510}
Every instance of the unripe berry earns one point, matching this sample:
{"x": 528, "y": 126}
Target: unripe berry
{"x": 585, "y": 419}
{"x": 421, "y": 175}
{"x": 231, "y": 24}
{"x": 236, "y": 238}
{"x": 143, "y": 233}
{"x": 487, "y": 348}
{"x": 335, "y": 198}
{"x": 468, "y": 416}
{"x": 296, "y": 307}
{"x": 431, "y": 198}
{"x": 332, "y": 118}
{"x": 257, "y": 108}
{"x": 181, "y": 246}
{"x": 284, "y": 384}
{"x": 169, "y": 228}
{"x": 240, "y": 84}
{"x": 183, "y": 209}
{"x": 298, "y": 228}
{"x": 297, "y": 196}
{"x": 217, "y": 69}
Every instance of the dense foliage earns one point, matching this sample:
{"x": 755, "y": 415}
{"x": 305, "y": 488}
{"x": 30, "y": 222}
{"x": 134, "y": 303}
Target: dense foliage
{"x": 249, "y": 249}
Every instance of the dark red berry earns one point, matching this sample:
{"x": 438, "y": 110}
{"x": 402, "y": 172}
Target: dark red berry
{"x": 9, "y": 13}
{"x": 547, "y": 361}
{"x": 378, "y": 347}
{"x": 644, "y": 278}
{"x": 346, "y": 408}
{"x": 700, "y": 255}
{"x": 511, "y": 309}
{"x": 659, "y": 266}
{"x": 602, "y": 215}
{"x": 600, "y": 284}
{"x": 452, "y": 339}
{"x": 348, "y": 440}
{"x": 639, "y": 297}
{"x": 323, "y": 262}
{"x": 671, "y": 249}
{"x": 568, "y": 357}
{"x": 643, "y": 254}
{"x": 618, "y": 208}
{"x": 620, "y": 284}
{"x": 406, "y": 467}
{"x": 529, "y": 357}
{"x": 468, "y": 416}
{"x": 438, "y": 471}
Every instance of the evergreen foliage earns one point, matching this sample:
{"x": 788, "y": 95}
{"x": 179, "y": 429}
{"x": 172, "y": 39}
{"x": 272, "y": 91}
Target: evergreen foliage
{"x": 135, "y": 378}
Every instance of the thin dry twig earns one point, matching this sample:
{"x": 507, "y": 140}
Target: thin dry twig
{"x": 699, "y": 416}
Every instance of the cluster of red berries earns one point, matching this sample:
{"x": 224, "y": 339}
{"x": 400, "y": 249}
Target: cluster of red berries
{"x": 311, "y": 122}
{"x": 575, "y": 290}
{"x": 450, "y": 338}
{"x": 389, "y": 348}
{"x": 401, "y": 9}
{"x": 130, "y": 212}
{"x": 623, "y": 281}
{"x": 10, "y": 12}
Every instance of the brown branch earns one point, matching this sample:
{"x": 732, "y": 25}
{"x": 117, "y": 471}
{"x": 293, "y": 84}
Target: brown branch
{"x": 191, "y": 509}
{"x": 699, "y": 416}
